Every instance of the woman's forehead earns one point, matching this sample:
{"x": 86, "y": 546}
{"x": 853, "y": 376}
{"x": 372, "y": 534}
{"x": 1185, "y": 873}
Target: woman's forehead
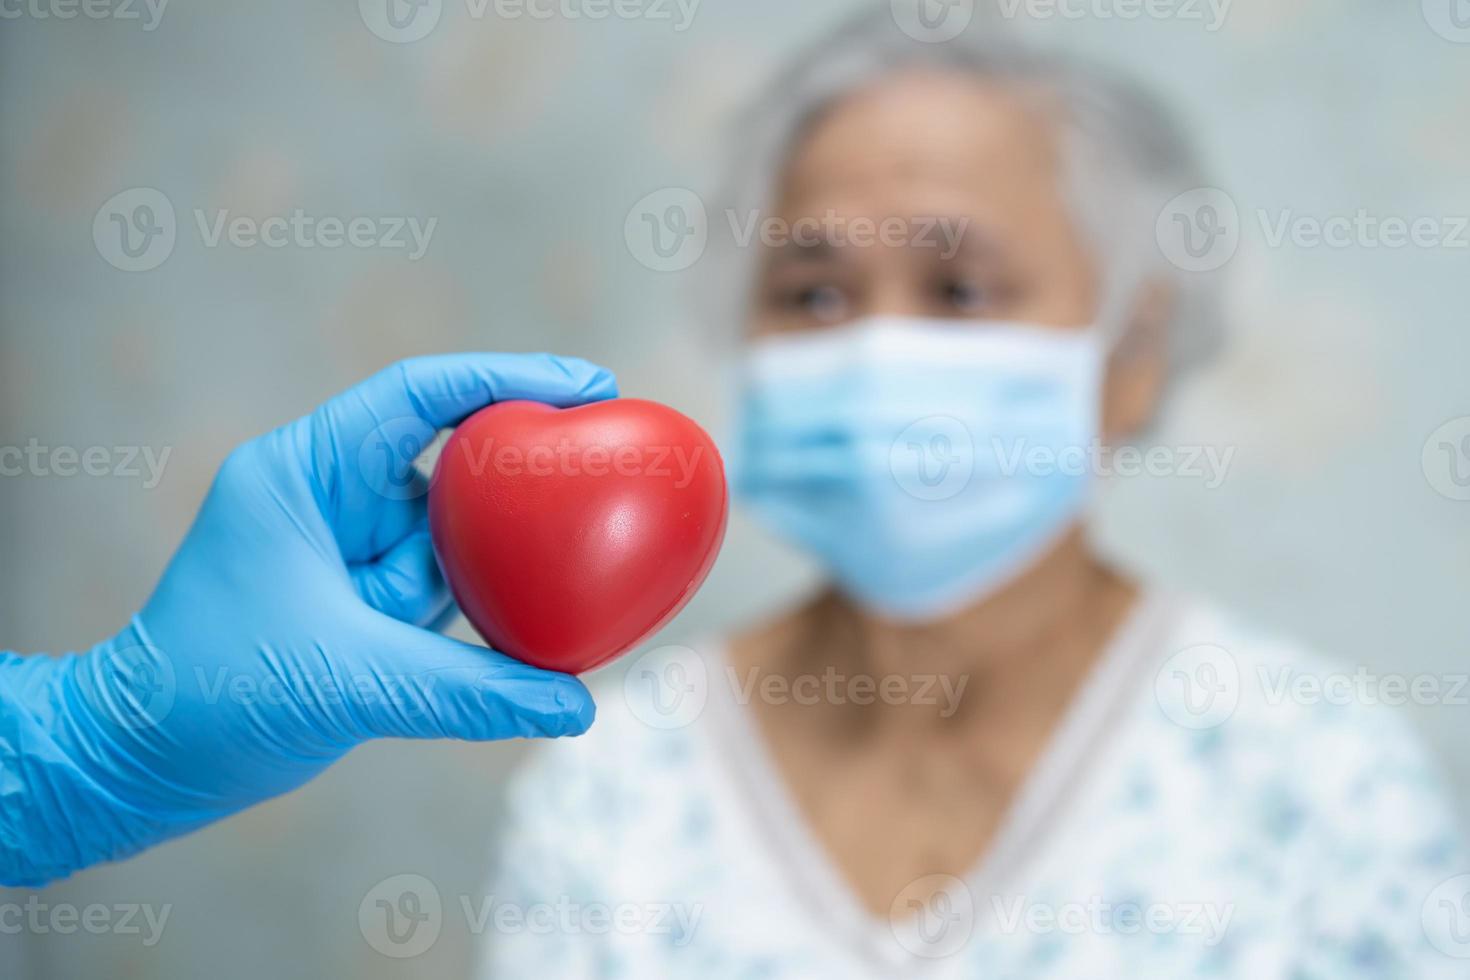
{"x": 923, "y": 129}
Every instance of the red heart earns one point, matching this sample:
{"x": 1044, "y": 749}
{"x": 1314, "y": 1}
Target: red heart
{"x": 568, "y": 536}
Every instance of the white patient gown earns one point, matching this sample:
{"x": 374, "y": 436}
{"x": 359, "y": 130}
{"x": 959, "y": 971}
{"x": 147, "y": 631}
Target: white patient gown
{"x": 1215, "y": 803}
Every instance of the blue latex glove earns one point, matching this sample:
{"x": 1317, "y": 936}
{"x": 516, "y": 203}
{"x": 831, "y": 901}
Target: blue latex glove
{"x": 293, "y": 624}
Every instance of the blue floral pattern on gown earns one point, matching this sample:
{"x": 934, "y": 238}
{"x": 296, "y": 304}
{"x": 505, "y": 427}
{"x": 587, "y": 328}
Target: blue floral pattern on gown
{"x": 1249, "y": 813}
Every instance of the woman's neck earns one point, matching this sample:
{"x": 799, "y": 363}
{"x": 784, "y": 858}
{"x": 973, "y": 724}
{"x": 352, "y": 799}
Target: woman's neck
{"x": 1018, "y": 654}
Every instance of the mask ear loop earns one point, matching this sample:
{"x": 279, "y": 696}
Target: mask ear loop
{"x": 1109, "y": 329}
{"x": 1112, "y": 325}
{"x": 1115, "y": 309}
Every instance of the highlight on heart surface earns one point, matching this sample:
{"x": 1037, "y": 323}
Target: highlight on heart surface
{"x": 568, "y": 536}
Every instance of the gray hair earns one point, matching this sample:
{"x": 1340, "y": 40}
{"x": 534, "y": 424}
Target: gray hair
{"x": 1124, "y": 154}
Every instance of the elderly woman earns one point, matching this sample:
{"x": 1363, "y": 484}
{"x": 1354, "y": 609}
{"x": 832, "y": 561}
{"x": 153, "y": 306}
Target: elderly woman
{"x": 984, "y": 750}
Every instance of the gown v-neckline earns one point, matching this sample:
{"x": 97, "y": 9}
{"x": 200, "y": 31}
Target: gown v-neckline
{"x": 1038, "y": 805}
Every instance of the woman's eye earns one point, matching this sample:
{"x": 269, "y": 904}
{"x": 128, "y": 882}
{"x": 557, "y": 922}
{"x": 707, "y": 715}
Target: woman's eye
{"x": 825, "y": 303}
{"x": 963, "y": 296}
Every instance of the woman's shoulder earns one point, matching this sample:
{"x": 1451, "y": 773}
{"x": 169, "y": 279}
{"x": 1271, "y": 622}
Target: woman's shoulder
{"x": 1265, "y": 715}
{"x": 1213, "y": 667}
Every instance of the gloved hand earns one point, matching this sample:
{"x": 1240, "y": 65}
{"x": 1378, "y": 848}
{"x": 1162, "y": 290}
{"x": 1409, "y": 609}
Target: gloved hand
{"x": 293, "y": 624}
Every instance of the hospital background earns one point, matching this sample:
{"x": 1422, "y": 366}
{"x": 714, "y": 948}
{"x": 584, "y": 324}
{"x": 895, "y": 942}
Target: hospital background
{"x": 530, "y": 142}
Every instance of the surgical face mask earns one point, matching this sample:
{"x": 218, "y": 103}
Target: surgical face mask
{"x": 924, "y": 463}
